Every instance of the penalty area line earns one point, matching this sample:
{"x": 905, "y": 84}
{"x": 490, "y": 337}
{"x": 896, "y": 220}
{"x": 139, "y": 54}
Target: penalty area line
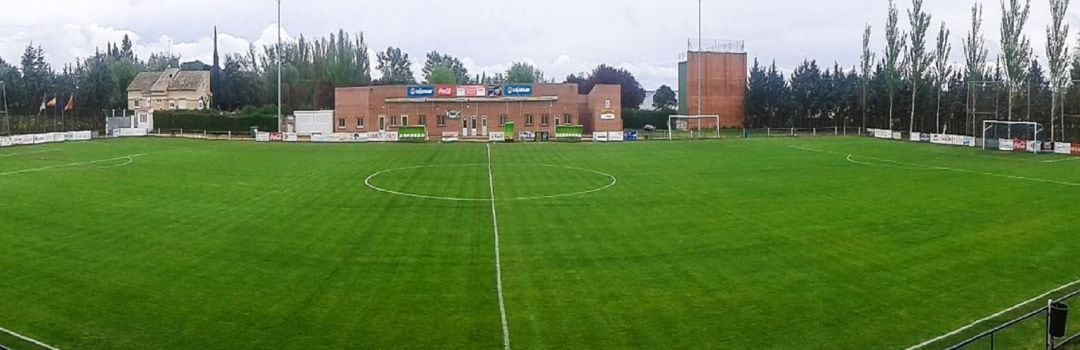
{"x": 27, "y": 339}
{"x": 498, "y": 259}
{"x": 128, "y": 157}
{"x": 987, "y": 318}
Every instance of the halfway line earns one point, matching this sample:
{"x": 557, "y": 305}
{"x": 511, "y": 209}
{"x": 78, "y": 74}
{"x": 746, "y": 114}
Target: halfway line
{"x": 498, "y": 260}
{"x": 70, "y": 164}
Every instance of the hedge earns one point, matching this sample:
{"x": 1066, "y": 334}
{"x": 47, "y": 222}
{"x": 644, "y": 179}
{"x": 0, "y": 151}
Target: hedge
{"x": 210, "y": 121}
{"x": 638, "y": 119}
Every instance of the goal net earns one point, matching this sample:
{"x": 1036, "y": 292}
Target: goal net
{"x": 693, "y": 127}
{"x": 1012, "y": 136}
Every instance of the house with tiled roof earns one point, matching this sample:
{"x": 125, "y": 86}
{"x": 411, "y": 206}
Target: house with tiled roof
{"x": 172, "y": 89}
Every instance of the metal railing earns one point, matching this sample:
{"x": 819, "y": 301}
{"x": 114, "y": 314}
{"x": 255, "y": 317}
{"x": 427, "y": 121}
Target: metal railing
{"x": 993, "y": 335}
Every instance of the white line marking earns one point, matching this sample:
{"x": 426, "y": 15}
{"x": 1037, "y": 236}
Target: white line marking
{"x": 369, "y": 184}
{"x": 70, "y": 165}
{"x": 927, "y": 167}
{"x": 28, "y": 339}
{"x": 984, "y": 319}
{"x": 498, "y": 259}
{"x": 1060, "y": 160}
{"x": 5, "y": 155}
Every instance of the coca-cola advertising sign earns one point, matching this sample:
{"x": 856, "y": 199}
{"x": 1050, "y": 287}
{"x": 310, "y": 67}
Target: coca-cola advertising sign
{"x": 445, "y": 91}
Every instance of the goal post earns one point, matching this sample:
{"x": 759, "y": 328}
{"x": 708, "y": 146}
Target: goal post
{"x": 1006, "y": 135}
{"x": 690, "y": 124}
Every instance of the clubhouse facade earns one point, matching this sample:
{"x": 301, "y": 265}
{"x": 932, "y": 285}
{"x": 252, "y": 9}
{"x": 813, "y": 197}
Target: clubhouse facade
{"x": 475, "y": 111}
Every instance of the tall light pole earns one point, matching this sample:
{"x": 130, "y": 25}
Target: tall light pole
{"x": 7, "y": 117}
{"x": 701, "y": 58}
{"x": 279, "y": 65}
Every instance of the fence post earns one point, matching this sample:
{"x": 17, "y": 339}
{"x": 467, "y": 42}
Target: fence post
{"x": 230, "y": 135}
{"x": 792, "y": 132}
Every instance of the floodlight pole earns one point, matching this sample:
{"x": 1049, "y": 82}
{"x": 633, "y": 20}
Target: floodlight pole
{"x": 7, "y": 117}
{"x": 279, "y": 65}
{"x": 701, "y": 57}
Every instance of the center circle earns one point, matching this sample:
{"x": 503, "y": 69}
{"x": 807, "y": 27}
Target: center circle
{"x": 471, "y": 182}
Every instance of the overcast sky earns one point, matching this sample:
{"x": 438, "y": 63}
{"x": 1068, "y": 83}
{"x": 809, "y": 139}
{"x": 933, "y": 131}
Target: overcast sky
{"x": 559, "y": 36}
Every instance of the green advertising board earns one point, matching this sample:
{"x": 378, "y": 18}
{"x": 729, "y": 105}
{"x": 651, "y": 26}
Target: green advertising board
{"x": 508, "y": 131}
{"x": 412, "y": 134}
{"x": 569, "y": 133}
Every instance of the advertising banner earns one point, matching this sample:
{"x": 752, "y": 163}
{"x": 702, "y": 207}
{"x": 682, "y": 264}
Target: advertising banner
{"x": 1076, "y": 149}
{"x": 883, "y": 134}
{"x": 5, "y": 141}
{"x": 494, "y": 91}
{"x": 630, "y": 135}
{"x": 924, "y": 137}
{"x": 276, "y": 137}
{"x": 615, "y": 136}
{"x": 81, "y": 136}
{"x": 445, "y": 91}
{"x": 22, "y": 140}
{"x": 497, "y": 136}
{"x": 57, "y": 137}
{"x": 262, "y": 137}
{"x": 449, "y": 136}
{"x": 127, "y": 132}
{"x": 607, "y": 114}
{"x": 1019, "y": 145}
{"x": 1033, "y": 147}
{"x": 1062, "y": 148}
{"x": 291, "y": 137}
{"x": 420, "y": 91}
{"x": 383, "y": 136}
{"x": 916, "y": 136}
{"x": 600, "y": 137}
{"x": 517, "y": 90}
{"x": 41, "y": 138}
{"x": 898, "y": 135}
{"x": 471, "y": 91}
{"x": 528, "y": 136}
{"x": 968, "y": 141}
{"x": 319, "y": 138}
{"x": 1005, "y": 145}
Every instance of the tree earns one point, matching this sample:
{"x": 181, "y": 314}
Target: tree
{"x": 37, "y": 77}
{"x": 241, "y": 84}
{"x": 126, "y": 52}
{"x": 756, "y": 95}
{"x": 161, "y": 61}
{"x": 1015, "y": 46}
{"x": 581, "y": 80}
{"x": 807, "y": 90}
{"x": 632, "y": 92}
{"x": 441, "y": 75}
{"x": 1057, "y": 53}
{"x": 941, "y": 68}
{"x": 435, "y": 59}
{"x": 918, "y": 58}
{"x": 866, "y": 61}
{"x": 395, "y": 67}
{"x": 894, "y": 46}
{"x": 524, "y": 73}
{"x": 975, "y": 54}
{"x": 665, "y": 98}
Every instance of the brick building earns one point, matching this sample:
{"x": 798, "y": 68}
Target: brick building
{"x": 476, "y": 110}
{"x": 721, "y": 69}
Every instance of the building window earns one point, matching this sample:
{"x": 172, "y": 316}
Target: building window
{"x": 568, "y": 119}
{"x": 360, "y": 122}
{"x": 136, "y": 103}
{"x": 423, "y": 120}
{"x": 544, "y": 119}
{"x": 607, "y": 103}
{"x": 404, "y": 120}
{"x": 382, "y": 123}
{"x": 393, "y": 122}
{"x": 503, "y": 119}
{"x": 441, "y": 120}
{"x": 341, "y": 123}
{"x": 528, "y": 120}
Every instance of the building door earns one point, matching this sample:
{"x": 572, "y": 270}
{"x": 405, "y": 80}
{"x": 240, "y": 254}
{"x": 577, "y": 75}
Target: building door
{"x": 483, "y": 126}
{"x": 382, "y": 123}
{"x": 556, "y": 123}
{"x": 472, "y": 126}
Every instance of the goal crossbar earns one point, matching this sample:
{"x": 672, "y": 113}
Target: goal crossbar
{"x": 688, "y": 118}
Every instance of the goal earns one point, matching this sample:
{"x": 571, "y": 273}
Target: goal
{"x": 1012, "y": 136}
{"x": 691, "y": 126}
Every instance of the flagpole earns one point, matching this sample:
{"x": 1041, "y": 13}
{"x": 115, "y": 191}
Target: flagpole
{"x": 279, "y": 65}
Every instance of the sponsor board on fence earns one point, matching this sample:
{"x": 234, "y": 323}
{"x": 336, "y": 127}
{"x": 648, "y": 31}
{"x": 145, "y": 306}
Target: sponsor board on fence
{"x": 1062, "y": 148}
{"x": 59, "y": 137}
{"x": 1076, "y": 149}
{"x": 1005, "y": 145}
{"x": 262, "y": 137}
{"x": 81, "y": 136}
{"x": 916, "y": 136}
{"x": 528, "y": 136}
{"x": 382, "y": 136}
{"x": 969, "y": 141}
{"x": 5, "y": 141}
{"x": 497, "y": 136}
{"x": 276, "y": 137}
{"x": 1019, "y": 145}
{"x": 22, "y": 140}
{"x": 897, "y": 135}
{"x": 600, "y": 137}
{"x": 882, "y": 134}
{"x": 924, "y": 137}
{"x": 630, "y": 135}
{"x": 42, "y": 138}
{"x": 615, "y": 136}
{"x": 129, "y": 132}
{"x": 449, "y": 136}
{"x": 291, "y": 137}
{"x": 339, "y": 138}
{"x": 1034, "y": 146}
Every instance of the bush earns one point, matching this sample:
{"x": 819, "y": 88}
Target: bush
{"x": 639, "y": 119}
{"x": 212, "y": 121}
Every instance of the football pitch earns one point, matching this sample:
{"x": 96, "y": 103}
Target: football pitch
{"x": 820, "y": 243}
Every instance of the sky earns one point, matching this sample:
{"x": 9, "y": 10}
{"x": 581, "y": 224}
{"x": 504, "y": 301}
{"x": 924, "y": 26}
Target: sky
{"x": 559, "y": 36}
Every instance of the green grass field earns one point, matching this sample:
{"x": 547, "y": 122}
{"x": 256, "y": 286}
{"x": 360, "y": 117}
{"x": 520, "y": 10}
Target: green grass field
{"x": 822, "y": 243}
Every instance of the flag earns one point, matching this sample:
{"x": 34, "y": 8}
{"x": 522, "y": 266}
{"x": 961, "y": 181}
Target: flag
{"x": 42, "y": 109}
{"x": 71, "y": 104}
{"x": 52, "y": 102}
